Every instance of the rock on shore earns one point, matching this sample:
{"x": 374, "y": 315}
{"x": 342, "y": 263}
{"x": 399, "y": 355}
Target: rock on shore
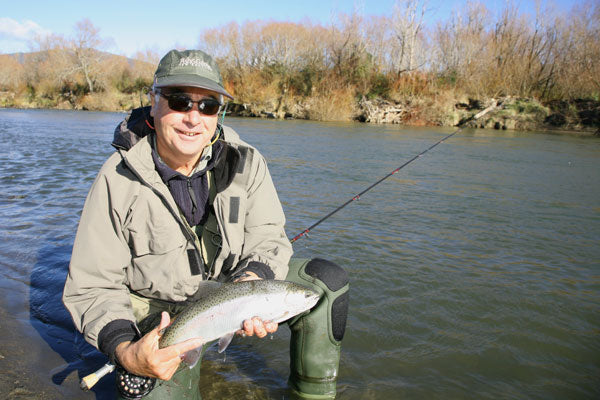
{"x": 515, "y": 114}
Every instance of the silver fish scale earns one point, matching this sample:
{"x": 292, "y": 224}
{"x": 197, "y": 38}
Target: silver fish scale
{"x": 221, "y": 310}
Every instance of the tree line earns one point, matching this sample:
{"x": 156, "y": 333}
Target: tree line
{"x": 472, "y": 53}
{"x": 74, "y": 71}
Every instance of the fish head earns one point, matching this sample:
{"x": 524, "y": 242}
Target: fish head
{"x": 299, "y": 298}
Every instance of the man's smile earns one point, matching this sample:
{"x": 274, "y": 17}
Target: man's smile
{"x": 186, "y": 133}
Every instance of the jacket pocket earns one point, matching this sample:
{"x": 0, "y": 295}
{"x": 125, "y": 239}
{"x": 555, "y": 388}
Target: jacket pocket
{"x": 153, "y": 230}
{"x": 157, "y": 242}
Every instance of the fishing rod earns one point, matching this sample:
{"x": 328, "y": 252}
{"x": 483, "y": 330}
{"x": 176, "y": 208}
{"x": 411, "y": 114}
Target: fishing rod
{"x": 358, "y": 196}
{"x": 90, "y": 380}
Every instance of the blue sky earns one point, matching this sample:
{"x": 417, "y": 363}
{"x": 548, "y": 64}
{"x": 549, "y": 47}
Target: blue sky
{"x": 135, "y": 25}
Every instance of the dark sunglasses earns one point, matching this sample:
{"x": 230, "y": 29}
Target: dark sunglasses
{"x": 181, "y": 102}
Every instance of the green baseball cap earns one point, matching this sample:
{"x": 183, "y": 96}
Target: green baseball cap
{"x": 192, "y": 68}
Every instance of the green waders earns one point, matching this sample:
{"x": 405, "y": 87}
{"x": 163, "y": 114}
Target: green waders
{"x": 317, "y": 335}
{"x": 314, "y": 346}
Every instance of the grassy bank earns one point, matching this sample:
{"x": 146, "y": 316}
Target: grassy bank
{"x": 100, "y": 101}
{"x": 443, "y": 110}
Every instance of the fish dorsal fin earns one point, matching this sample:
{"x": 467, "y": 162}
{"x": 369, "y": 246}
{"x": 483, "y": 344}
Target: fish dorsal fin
{"x": 205, "y": 289}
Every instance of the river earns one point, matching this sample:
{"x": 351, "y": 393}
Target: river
{"x": 475, "y": 271}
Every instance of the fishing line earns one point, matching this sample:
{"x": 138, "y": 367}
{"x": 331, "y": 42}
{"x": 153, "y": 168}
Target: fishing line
{"x": 357, "y": 197}
{"x": 88, "y": 381}
{"x": 221, "y": 127}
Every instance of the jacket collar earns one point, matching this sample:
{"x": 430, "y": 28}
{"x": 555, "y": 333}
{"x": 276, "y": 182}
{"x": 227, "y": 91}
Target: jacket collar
{"x": 139, "y": 158}
{"x": 136, "y": 125}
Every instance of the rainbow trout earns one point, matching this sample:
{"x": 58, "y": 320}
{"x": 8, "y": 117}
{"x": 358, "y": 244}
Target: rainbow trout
{"x": 219, "y": 310}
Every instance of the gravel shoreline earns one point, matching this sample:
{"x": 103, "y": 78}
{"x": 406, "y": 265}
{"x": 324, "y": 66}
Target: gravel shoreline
{"x": 27, "y": 363}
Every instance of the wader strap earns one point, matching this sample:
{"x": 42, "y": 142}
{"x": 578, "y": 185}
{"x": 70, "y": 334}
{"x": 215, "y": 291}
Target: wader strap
{"x": 209, "y": 234}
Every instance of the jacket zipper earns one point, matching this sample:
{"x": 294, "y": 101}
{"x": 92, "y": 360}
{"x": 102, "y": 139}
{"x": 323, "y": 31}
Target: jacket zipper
{"x": 192, "y": 196}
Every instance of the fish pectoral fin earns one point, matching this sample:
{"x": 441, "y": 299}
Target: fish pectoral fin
{"x": 191, "y": 357}
{"x": 224, "y": 341}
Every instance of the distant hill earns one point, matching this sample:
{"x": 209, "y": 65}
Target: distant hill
{"x": 22, "y": 56}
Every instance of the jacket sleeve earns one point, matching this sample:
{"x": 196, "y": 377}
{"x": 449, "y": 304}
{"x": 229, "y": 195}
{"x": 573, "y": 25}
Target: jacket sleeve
{"x": 266, "y": 246}
{"x": 95, "y": 293}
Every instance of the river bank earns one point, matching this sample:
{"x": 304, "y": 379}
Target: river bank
{"x": 580, "y": 116}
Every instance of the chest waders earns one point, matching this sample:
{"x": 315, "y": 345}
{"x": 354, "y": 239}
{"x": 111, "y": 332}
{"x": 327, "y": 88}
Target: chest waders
{"x": 316, "y": 335}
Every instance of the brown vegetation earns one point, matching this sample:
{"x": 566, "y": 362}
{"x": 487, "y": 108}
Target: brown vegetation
{"x": 73, "y": 73}
{"x": 335, "y": 71}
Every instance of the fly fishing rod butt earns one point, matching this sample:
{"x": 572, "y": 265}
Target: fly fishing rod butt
{"x": 87, "y": 382}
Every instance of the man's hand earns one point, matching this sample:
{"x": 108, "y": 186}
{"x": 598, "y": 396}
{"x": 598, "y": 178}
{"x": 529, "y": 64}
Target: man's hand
{"x": 144, "y": 358}
{"x": 255, "y": 325}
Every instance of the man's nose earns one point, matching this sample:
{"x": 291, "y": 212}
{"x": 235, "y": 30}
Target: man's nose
{"x": 193, "y": 116}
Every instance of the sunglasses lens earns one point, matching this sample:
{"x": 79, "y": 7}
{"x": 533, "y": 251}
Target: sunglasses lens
{"x": 180, "y": 103}
{"x": 209, "y": 106}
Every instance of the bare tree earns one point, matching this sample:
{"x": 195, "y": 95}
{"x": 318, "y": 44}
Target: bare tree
{"x": 346, "y": 48}
{"x": 579, "y": 52}
{"x": 11, "y": 72}
{"x": 379, "y": 42}
{"x": 407, "y": 25}
{"x": 460, "y": 40}
{"x": 84, "y": 48}
{"x": 45, "y": 65}
{"x": 225, "y": 44}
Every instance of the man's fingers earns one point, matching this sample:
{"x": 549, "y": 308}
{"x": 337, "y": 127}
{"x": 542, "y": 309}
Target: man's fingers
{"x": 259, "y": 327}
{"x": 249, "y": 327}
{"x": 165, "y": 320}
{"x": 271, "y": 326}
{"x": 179, "y": 349}
{"x": 188, "y": 345}
{"x": 256, "y": 326}
{"x": 153, "y": 336}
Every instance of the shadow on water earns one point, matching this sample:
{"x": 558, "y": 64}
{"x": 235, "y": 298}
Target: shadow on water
{"x": 53, "y": 323}
{"x": 243, "y": 372}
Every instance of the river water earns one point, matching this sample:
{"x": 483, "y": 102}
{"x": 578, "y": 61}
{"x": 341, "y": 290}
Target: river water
{"x": 475, "y": 271}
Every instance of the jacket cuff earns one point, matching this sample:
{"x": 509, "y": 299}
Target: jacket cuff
{"x": 262, "y": 270}
{"x": 114, "y": 333}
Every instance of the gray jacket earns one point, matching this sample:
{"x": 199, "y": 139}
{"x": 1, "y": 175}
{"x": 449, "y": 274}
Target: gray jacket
{"x": 131, "y": 236}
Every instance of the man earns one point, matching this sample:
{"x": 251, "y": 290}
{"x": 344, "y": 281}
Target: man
{"x": 181, "y": 201}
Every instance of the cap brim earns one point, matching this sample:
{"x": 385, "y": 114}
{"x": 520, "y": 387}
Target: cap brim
{"x": 192, "y": 81}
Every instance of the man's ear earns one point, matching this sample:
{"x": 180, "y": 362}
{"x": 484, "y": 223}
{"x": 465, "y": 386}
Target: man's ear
{"x": 153, "y": 102}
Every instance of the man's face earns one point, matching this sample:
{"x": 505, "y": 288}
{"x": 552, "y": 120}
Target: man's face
{"x": 182, "y": 135}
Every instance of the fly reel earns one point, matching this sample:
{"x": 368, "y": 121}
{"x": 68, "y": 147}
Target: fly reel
{"x": 133, "y": 387}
